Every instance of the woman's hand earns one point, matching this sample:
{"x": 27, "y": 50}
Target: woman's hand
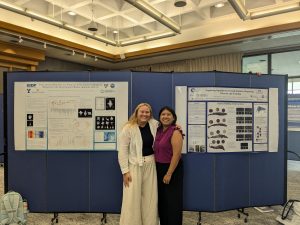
{"x": 167, "y": 178}
{"x": 127, "y": 179}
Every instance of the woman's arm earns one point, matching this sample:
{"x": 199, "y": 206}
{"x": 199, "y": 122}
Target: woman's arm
{"x": 123, "y": 156}
{"x": 176, "y": 142}
{"x": 123, "y": 151}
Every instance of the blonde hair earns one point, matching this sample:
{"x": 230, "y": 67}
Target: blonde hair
{"x": 133, "y": 118}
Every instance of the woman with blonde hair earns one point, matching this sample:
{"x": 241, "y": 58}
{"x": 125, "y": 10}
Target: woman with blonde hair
{"x": 137, "y": 163}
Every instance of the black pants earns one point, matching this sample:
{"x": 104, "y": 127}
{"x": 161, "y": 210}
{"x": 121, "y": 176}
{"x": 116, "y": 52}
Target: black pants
{"x": 170, "y": 195}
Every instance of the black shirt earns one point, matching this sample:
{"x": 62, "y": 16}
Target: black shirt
{"x": 147, "y": 138}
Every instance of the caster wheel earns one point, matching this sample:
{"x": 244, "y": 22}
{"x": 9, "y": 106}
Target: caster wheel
{"x": 239, "y": 216}
{"x": 245, "y": 220}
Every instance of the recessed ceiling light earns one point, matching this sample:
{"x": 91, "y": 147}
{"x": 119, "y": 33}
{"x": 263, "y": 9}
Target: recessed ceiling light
{"x": 219, "y": 5}
{"x": 115, "y": 31}
{"x": 71, "y": 13}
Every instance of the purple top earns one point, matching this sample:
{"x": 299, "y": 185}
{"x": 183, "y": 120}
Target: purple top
{"x": 162, "y": 145}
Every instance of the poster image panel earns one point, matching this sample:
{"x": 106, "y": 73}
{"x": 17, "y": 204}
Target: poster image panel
{"x": 69, "y": 115}
{"x": 260, "y": 126}
{"x": 196, "y": 113}
{"x": 196, "y": 138}
{"x": 229, "y": 127}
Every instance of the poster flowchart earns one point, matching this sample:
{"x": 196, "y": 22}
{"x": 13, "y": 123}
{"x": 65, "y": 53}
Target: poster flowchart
{"x": 228, "y": 119}
{"x": 69, "y": 115}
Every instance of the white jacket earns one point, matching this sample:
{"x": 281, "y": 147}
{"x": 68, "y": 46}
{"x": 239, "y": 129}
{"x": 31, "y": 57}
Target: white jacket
{"x": 131, "y": 145}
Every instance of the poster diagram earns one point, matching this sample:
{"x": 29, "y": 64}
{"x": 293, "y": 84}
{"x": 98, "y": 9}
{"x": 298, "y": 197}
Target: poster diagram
{"x": 221, "y": 120}
{"x": 69, "y": 115}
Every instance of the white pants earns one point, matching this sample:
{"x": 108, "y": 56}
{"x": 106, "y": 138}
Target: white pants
{"x": 139, "y": 206}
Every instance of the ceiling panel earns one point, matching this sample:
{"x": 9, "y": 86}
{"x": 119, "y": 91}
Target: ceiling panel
{"x": 132, "y": 23}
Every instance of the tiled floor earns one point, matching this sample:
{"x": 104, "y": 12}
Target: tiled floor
{"x": 293, "y": 165}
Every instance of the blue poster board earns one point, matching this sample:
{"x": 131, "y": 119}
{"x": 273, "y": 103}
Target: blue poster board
{"x": 88, "y": 181}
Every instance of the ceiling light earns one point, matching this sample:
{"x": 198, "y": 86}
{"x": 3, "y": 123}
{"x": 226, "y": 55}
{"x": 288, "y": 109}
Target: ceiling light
{"x": 115, "y": 31}
{"x": 180, "y": 3}
{"x": 45, "y": 45}
{"x": 219, "y": 5}
{"x": 93, "y": 26}
{"x": 88, "y": 34}
{"x": 77, "y": 29}
{"x": 71, "y": 13}
{"x": 20, "y": 39}
{"x": 122, "y": 56}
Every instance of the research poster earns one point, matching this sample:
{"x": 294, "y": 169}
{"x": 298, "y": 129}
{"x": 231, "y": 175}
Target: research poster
{"x": 294, "y": 112}
{"x": 69, "y": 115}
{"x": 221, "y": 120}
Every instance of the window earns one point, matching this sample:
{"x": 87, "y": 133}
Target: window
{"x": 255, "y": 64}
{"x": 286, "y": 63}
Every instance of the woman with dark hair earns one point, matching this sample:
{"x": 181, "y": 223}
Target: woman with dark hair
{"x": 167, "y": 150}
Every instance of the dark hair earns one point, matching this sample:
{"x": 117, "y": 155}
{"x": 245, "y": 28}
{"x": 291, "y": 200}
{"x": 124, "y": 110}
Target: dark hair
{"x": 171, "y": 111}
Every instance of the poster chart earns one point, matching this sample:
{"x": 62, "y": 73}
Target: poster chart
{"x": 294, "y": 112}
{"x": 69, "y": 115}
{"x": 230, "y": 119}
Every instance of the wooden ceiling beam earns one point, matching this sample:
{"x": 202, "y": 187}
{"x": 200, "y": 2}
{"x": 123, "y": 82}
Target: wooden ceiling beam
{"x": 152, "y": 51}
{"x": 216, "y": 40}
{"x": 54, "y": 40}
{"x": 13, "y": 65}
{"x": 24, "y": 52}
{"x": 17, "y": 60}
